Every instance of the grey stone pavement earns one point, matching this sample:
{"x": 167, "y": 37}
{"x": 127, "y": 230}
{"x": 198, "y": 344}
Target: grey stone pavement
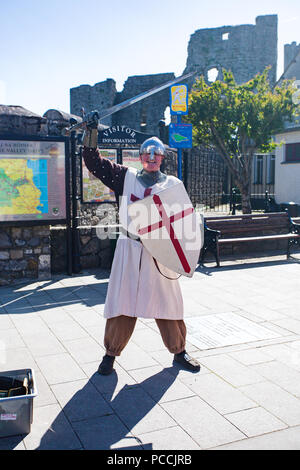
{"x": 246, "y": 396}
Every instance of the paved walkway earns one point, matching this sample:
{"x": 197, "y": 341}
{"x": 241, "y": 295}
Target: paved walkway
{"x": 247, "y": 395}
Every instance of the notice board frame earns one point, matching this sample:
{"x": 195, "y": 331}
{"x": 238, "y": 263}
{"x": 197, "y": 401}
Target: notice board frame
{"x": 38, "y": 138}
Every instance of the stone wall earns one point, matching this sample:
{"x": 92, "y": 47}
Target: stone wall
{"x": 16, "y": 120}
{"x": 24, "y": 253}
{"x": 145, "y": 115}
{"x": 100, "y": 96}
{"x": 94, "y": 252}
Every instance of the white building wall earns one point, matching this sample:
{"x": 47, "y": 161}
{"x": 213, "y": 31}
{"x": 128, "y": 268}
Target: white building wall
{"x": 287, "y": 175}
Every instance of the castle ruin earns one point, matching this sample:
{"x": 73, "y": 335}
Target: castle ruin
{"x": 245, "y": 49}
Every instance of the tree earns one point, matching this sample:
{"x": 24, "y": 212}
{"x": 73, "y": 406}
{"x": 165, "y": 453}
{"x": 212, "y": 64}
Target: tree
{"x": 240, "y": 120}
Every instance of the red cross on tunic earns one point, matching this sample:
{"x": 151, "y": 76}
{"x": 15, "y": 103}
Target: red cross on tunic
{"x": 167, "y": 222}
{"x": 147, "y": 192}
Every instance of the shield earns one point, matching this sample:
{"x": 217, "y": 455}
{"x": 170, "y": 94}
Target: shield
{"x": 169, "y": 228}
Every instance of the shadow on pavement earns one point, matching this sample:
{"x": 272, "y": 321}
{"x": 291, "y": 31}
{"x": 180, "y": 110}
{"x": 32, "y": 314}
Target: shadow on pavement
{"x": 102, "y": 420}
{"x": 44, "y": 297}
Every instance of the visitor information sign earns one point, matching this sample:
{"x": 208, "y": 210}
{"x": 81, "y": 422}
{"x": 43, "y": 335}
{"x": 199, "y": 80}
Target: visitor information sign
{"x": 32, "y": 181}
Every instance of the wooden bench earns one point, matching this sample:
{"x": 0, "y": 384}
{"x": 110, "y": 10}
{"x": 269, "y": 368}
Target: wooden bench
{"x": 225, "y": 230}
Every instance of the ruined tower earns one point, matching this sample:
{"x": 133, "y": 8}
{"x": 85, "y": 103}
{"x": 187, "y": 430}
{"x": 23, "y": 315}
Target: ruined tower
{"x": 292, "y": 60}
{"x": 245, "y": 50}
{"x": 100, "y": 96}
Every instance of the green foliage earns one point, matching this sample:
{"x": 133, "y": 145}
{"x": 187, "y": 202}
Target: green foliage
{"x": 239, "y": 119}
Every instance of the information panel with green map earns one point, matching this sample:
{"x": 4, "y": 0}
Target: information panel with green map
{"x": 32, "y": 181}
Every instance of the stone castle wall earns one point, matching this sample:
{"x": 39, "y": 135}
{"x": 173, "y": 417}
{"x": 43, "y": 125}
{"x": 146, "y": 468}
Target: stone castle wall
{"x": 145, "y": 115}
{"x": 245, "y": 49}
{"x": 100, "y": 96}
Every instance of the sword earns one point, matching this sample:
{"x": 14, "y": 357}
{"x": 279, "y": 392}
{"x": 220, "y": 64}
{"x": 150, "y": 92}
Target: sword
{"x": 118, "y": 107}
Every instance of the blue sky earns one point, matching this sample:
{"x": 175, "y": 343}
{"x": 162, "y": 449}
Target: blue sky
{"x": 47, "y": 47}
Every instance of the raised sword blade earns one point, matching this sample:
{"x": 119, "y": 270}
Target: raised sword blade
{"x": 145, "y": 94}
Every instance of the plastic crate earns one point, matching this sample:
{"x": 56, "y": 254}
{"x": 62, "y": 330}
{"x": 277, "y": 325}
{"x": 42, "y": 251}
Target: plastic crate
{"x": 16, "y": 412}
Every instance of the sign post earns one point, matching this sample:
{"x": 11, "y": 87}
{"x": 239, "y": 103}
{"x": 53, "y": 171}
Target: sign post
{"x": 180, "y": 135}
{"x": 179, "y": 153}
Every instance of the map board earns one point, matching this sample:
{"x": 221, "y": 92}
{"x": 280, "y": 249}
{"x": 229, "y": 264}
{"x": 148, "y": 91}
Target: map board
{"x": 131, "y": 158}
{"x": 32, "y": 181}
{"x": 93, "y": 190}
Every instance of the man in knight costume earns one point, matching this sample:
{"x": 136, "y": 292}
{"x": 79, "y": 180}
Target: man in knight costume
{"x": 137, "y": 289}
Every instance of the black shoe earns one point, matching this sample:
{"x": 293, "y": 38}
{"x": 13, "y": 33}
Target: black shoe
{"x": 187, "y": 361}
{"x": 106, "y": 366}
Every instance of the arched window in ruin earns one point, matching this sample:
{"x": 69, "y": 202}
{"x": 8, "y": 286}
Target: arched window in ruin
{"x": 167, "y": 115}
{"x": 212, "y": 74}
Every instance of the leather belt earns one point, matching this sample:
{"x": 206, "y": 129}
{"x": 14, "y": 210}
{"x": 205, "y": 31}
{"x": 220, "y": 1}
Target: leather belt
{"x": 133, "y": 237}
{"x": 130, "y": 235}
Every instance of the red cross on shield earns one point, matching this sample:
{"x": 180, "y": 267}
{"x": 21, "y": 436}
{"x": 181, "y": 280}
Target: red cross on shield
{"x": 169, "y": 228}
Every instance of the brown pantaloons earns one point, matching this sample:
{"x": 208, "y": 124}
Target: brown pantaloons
{"x": 118, "y": 331}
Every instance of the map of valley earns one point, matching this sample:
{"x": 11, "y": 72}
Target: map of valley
{"x": 23, "y": 186}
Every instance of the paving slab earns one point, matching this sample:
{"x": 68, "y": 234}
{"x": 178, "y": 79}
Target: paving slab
{"x": 59, "y": 368}
{"x": 81, "y": 400}
{"x": 20, "y": 358}
{"x": 173, "y": 438}
{"x": 5, "y": 322}
{"x": 204, "y": 424}
{"x": 84, "y": 350}
{"x": 11, "y": 339}
{"x": 68, "y": 330}
{"x": 51, "y": 431}
{"x": 287, "y": 439}
{"x": 284, "y": 376}
{"x": 45, "y": 395}
{"x": 140, "y": 412}
{"x": 43, "y": 343}
{"x": 148, "y": 339}
{"x": 113, "y": 383}
{"x": 231, "y": 370}
{"x": 250, "y": 357}
{"x": 160, "y": 384}
{"x": 227, "y": 400}
{"x": 134, "y": 357}
{"x": 277, "y": 401}
{"x": 255, "y": 421}
{"x": 106, "y": 432}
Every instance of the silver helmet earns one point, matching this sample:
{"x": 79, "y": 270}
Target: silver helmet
{"x": 153, "y": 146}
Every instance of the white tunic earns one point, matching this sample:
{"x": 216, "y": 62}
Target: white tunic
{"x": 136, "y": 287}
